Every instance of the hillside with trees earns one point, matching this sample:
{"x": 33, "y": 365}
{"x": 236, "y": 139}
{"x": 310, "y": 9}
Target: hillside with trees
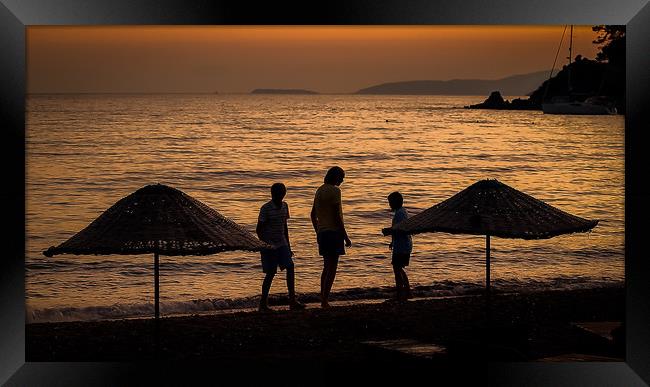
{"x": 583, "y": 78}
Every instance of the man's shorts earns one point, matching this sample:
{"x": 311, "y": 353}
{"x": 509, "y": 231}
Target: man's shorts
{"x": 272, "y": 258}
{"x": 330, "y": 243}
{"x": 401, "y": 259}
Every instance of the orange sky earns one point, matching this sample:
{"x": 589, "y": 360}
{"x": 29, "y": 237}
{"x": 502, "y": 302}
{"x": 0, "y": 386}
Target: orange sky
{"x": 321, "y": 58}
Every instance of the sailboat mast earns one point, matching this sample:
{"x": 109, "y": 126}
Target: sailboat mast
{"x": 570, "y": 56}
{"x": 570, "y": 44}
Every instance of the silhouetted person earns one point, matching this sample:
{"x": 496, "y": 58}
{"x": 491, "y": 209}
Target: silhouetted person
{"x": 327, "y": 219}
{"x": 272, "y": 228}
{"x": 401, "y": 245}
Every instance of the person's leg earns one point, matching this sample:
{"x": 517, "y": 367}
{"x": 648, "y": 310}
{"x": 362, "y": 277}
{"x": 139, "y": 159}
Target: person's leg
{"x": 266, "y": 287}
{"x": 323, "y": 280}
{"x": 269, "y": 267}
{"x": 398, "y": 281}
{"x": 291, "y": 284}
{"x": 406, "y": 285}
{"x": 332, "y": 274}
{"x": 323, "y": 276}
{"x": 337, "y": 248}
{"x": 327, "y": 278}
{"x": 293, "y": 303}
{"x": 285, "y": 262}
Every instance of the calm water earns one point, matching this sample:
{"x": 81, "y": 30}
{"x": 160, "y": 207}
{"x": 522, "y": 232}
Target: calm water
{"x": 86, "y": 152}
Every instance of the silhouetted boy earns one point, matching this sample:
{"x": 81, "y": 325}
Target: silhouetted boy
{"x": 272, "y": 229}
{"x": 401, "y": 245}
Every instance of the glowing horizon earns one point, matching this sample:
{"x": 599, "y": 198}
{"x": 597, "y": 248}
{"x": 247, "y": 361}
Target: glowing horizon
{"x": 326, "y": 59}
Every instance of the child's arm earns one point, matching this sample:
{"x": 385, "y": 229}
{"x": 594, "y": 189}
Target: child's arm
{"x": 260, "y": 224}
{"x": 286, "y": 234}
{"x": 258, "y": 230}
{"x": 339, "y": 218}
{"x": 314, "y": 220}
{"x": 286, "y": 230}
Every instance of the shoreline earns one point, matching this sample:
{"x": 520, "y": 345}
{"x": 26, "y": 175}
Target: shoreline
{"x": 209, "y": 306}
{"x": 515, "y": 327}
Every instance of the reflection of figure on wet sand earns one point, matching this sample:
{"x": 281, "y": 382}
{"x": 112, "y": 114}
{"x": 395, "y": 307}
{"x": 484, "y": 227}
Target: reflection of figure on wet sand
{"x": 272, "y": 228}
{"x": 327, "y": 219}
{"x": 401, "y": 245}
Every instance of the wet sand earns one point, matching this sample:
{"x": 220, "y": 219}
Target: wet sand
{"x": 418, "y": 333}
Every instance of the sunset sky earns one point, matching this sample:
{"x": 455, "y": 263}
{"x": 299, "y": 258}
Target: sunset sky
{"x": 332, "y": 59}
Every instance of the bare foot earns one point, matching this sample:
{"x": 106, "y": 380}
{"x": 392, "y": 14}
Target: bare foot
{"x": 264, "y": 309}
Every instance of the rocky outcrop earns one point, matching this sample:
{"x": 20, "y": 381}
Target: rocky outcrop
{"x": 496, "y": 101}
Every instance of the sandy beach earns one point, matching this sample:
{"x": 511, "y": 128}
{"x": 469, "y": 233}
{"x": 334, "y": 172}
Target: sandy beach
{"x": 516, "y": 327}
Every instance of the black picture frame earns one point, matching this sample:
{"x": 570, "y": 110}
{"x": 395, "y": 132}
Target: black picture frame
{"x": 16, "y": 15}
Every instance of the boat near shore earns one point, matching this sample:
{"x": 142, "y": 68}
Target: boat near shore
{"x": 590, "y": 106}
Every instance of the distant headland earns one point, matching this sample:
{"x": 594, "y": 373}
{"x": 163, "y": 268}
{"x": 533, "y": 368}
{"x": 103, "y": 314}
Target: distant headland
{"x": 282, "y": 91}
{"x": 522, "y": 84}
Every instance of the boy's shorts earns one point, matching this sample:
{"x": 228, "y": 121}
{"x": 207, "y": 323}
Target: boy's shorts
{"x": 401, "y": 259}
{"x": 272, "y": 258}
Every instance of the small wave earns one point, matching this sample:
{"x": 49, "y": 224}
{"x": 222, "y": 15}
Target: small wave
{"x": 271, "y": 175}
{"x": 384, "y": 215}
{"x": 129, "y": 269}
{"x": 193, "y": 123}
{"x": 446, "y": 288}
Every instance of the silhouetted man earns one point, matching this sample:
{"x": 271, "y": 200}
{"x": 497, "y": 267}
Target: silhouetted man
{"x": 327, "y": 219}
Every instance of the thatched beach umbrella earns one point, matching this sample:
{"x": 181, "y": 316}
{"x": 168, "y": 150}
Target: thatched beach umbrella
{"x": 159, "y": 220}
{"x": 491, "y": 208}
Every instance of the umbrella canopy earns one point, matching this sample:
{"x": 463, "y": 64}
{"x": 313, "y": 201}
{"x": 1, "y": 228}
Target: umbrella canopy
{"x": 159, "y": 219}
{"x": 489, "y": 207}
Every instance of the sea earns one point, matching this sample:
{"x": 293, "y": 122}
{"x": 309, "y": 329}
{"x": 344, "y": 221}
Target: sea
{"x": 85, "y": 152}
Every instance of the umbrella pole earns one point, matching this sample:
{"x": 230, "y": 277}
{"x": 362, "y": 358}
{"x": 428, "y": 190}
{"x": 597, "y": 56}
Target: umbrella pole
{"x": 487, "y": 264}
{"x": 488, "y": 295}
{"x": 156, "y": 278}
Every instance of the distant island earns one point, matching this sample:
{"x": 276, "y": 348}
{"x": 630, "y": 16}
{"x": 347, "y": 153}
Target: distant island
{"x": 522, "y": 84}
{"x": 282, "y": 91}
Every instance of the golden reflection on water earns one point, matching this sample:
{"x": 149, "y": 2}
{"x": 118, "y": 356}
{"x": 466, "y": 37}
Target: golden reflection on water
{"x": 86, "y": 152}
